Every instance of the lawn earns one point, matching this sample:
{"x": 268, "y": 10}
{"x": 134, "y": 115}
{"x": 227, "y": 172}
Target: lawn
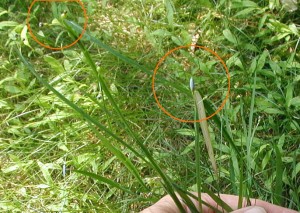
{"x": 106, "y": 123}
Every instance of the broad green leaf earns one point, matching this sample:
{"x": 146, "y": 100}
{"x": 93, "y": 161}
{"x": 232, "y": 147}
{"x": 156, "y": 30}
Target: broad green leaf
{"x": 253, "y": 65}
{"x": 4, "y": 24}
{"x": 294, "y": 29}
{"x": 7, "y": 79}
{"x": 274, "y": 111}
{"x": 293, "y": 64}
{"x": 177, "y": 40}
{"x": 170, "y": 9}
{"x": 296, "y": 170}
{"x": 289, "y": 93}
{"x": 297, "y": 78}
{"x": 243, "y": 3}
{"x": 62, "y": 146}
{"x": 67, "y": 65}
{"x": 24, "y": 36}
{"x": 275, "y": 67}
{"x": 247, "y": 3}
{"x": 45, "y": 171}
{"x": 262, "y": 60}
{"x": 4, "y": 104}
{"x": 188, "y": 148}
{"x": 161, "y": 33}
{"x": 8, "y": 205}
{"x": 235, "y": 60}
{"x": 281, "y": 142}
{"x": 251, "y": 47}
{"x": 276, "y": 38}
{"x": 11, "y": 168}
{"x": 263, "y": 103}
{"x": 229, "y": 36}
{"x": 262, "y": 21}
{"x": 266, "y": 159}
{"x": 186, "y": 132}
{"x": 267, "y": 73}
{"x": 279, "y": 26}
{"x": 245, "y": 12}
{"x": 2, "y": 11}
{"x": 288, "y": 159}
{"x": 12, "y": 89}
{"x": 295, "y": 102}
{"x": 55, "y": 64}
{"x": 271, "y": 4}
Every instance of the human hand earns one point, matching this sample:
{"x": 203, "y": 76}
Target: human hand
{"x": 167, "y": 205}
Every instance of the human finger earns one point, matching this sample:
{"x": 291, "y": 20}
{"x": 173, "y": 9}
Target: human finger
{"x": 233, "y": 200}
{"x": 251, "y": 209}
{"x": 167, "y": 205}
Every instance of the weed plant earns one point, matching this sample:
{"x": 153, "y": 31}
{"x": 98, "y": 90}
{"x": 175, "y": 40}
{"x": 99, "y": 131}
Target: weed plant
{"x": 81, "y": 131}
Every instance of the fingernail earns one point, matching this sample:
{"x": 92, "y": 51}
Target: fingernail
{"x": 255, "y": 209}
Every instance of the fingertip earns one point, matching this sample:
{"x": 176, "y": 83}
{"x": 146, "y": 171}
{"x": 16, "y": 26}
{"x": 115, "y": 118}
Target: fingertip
{"x": 251, "y": 209}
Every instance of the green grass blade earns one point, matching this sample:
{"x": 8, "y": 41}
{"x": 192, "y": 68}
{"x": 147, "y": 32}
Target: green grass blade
{"x": 217, "y": 121}
{"x": 122, "y": 57}
{"x": 204, "y": 127}
{"x": 216, "y": 210}
{"x": 70, "y": 26}
{"x": 279, "y": 175}
{"x": 186, "y": 199}
{"x": 104, "y": 180}
{"x": 99, "y": 43}
{"x": 130, "y": 132}
{"x": 198, "y": 161}
{"x": 249, "y": 136}
{"x": 241, "y": 179}
{"x": 152, "y": 163}
{"x": 218, "y": 200}
{"x": 90, "y": 119}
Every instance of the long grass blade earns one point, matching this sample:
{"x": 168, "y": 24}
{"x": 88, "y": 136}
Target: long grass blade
{"x": 204, "y": 203}
{"x": 217, "y": 121}
{"x": 205, "y": 132}
{"x": 278, "y": 180}
{"x": 105, "y": 180}
{"x": 198, "y": 160}
{"x": 99, "y": 43}
{"x": 169, "y": 188}
{"x": 218, "y": 200}
{"x": 249, "y": 136}
{"x": 91, "y": 120}
{"x": 124, "y": 58}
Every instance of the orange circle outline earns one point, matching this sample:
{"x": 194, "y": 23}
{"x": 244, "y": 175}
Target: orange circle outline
{"x": 164, "y": 57}
{"x": 57, "y": 48}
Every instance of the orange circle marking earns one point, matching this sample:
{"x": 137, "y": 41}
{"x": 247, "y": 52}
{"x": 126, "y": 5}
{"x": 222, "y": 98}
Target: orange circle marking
{"x": 57, "y": 48}
{"x": 164, "y": 57}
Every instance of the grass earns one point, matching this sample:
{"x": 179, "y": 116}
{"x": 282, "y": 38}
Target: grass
{"x": 81, "y": 131}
